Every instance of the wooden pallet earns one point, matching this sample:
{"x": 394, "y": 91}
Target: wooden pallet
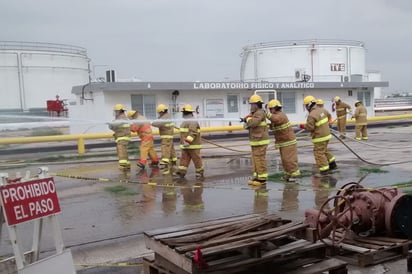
{"x": 365, "y": 251}
{"x": 232, "y": 245}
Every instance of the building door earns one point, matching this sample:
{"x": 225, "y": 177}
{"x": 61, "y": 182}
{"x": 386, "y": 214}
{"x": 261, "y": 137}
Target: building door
{"x": 144, "y": 104}
{"x": 232, "y": 105}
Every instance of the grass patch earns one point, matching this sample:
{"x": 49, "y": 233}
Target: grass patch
{"x": 403, "y": 184}
{"x": 120, "y": 190}
{"x": 408, "y": 192}
{"x": 278, "y": 176}
{"x": 372, "y": 170}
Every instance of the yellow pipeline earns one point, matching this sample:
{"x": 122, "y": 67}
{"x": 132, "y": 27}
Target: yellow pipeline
{"x": 92, "y": 136}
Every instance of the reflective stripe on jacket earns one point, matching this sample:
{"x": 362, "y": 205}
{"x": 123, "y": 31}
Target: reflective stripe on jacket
{"x": 282, "y": 129}
{"x": 142, "y": 129}
{"x": 190, "y": 134}
{"x": 258, "y": 128}
{"x": 317, "y": 124}
{"x": 166, "y": 129}
{"x": 361, "y": 115}
{"x": 121, "y": 130}
{"x": 341, "y": 110}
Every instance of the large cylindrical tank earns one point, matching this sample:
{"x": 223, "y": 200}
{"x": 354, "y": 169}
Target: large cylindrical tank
{"x": 32, "y": 73}
{"x": 304, "y": 60}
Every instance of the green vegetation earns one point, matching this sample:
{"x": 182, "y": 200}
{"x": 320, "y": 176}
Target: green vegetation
{"x": 278, "y": 176}
{"x": 120, "y": 190}
{"x": 372, "y": 170}
{"x": 403, "y": 184}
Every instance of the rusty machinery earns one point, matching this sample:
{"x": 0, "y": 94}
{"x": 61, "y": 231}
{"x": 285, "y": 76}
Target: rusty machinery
{"x": 365, "y": 212}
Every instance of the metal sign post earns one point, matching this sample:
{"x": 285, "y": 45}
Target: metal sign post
{"x": 34, "y": 200}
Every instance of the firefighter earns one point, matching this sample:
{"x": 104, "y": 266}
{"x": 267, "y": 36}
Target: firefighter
{"x": 285, "y": 140}
{"x": 341, "y": 110}
{"x": 255, "y": 122}
{"x": 361, "y": 121}
{"x": 166, "y": 130}
{"x": 317, "y": 124}
{"x": 121, "y": 135}
{"x": 144, "y": 132}
{"x": 190, "y": 144}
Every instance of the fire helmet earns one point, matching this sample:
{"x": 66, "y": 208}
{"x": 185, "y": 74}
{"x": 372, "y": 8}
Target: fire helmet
{"x": 274, "y": 103}
{"x": 255, "y": 99}
{"x": 309, "y": 99}
{"x": 161, "y": 108}
{"x": 131, "y": 113}
{"x": 118, "y": 107}
{"x": 319, "y": 102}
{"x": 188, "y": 108}
{"x": 337, "y": 99}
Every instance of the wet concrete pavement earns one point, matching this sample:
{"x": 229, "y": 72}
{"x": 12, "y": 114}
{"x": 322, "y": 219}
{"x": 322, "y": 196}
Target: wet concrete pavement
{"x": 105, "y": 211}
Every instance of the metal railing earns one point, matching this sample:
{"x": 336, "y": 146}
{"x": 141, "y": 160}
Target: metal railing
{"x": 39, "y": 46}
{"x": 323, "y": 42}
{"x": 80, "y": 138}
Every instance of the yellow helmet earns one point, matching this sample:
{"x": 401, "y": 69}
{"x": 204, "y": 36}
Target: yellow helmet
{"x": 187, "y": 108}
{"x": 336, "y": 99}
{"x": 131, "y": 113}
{"x": 357, "y": 102}
{"x": 274, "y": 103}
{"x": 118, "y": 107}
{"x": 161, "y": 108}
{"x": 309, "y": 99}
{"x": 255, "y": 99}
{"x": 319, "y": 102}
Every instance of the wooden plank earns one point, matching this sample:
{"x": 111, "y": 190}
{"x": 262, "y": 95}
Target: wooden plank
{"x": 204, "y": 228}
{"x": 286, "y": 248}
{"x": 348, "y": 247}
{"x": 258, "y": 235}
{"x": 168, "y": 253}
{"x": 226, "y": 247}
{"x": 327, "y": 265}
{"x": 390, "y": 240}
{"x": 159, "y": 260}
{"x": 372, "y": 247}
{"x": 375, "y": 242}
{"x": 201, "y": 224}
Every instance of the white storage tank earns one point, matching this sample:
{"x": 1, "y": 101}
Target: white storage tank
{"x": 32, "y": 73}
{"x": 304, "y": 60}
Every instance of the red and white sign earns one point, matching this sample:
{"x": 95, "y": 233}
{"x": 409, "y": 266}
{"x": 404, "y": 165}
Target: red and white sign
{"x": 28, "y": 201}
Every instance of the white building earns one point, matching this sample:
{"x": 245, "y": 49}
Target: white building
{"x": 32, "y": 73}
{"x": 214, "y": 100}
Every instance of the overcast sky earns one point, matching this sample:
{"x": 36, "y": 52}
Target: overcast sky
{"x": 188, "y": 40}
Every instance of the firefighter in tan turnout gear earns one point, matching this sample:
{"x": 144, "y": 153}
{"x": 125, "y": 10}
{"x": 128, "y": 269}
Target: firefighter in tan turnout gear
{"x": 259, "y": 140}
{"x": 360, "y": 115}
{"x": 121, "y": 135}
{"x": 166, "y": 130}
{"x": 144, "y": 132}
{"x": 190, "y": 144}
{"x": 285, "y": 140}
{"x": 317, "y": 124}
{"x": 341, "y": 110}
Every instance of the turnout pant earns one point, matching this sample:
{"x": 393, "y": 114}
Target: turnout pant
{"x": 361, "y": 132}
{"x": 322, "y": 155}
{"x": 289, "y": 158}
{"x": 260, "y": 170}
{"x": 168, "y": 150}
{"x": 147, "y": 149}
{"x": 191, "y": 155}
{"x": 341, "y": 123}
{"x": 121, "y": 148}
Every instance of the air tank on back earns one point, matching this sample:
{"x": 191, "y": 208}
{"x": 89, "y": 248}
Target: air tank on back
{"x": 32, "y": 73}
{"x": 304, "y": 60}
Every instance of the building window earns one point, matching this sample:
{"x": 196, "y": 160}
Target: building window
{"x": 144, "y": 104}
{"x": 365, "y": 97}
{"x": 350, "y": 92}
{"x": 288, "y": 101}
{"x": 233, "y": 103}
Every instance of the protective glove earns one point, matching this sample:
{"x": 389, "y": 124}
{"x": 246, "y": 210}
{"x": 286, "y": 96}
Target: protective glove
{"x": 244, "y": 120}
{"x": 302, "y": 126}
{"x": 186, "y": 143}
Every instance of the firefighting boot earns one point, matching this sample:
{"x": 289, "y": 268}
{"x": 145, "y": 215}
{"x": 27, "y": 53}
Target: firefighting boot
{"x": 124, "y": 167}
{"x": 140, "y": 164}
{"x": 200, "y": 175}
{"x": 333, "y": 165}
{"x": 154, "y": 163}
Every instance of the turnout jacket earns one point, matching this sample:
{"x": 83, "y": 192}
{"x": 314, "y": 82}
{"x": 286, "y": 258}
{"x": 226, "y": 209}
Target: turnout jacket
{"x": 121, "y": 130}
{"x": 341, "y": 109}
{"x": 317, "y": 124}
{"x": 282, "y": 129}
{"x": 258, "y": 128}
{"x": 360, "y": 115}
{"x": 143, "y": 129}
{"x": 166, "y": 128}
{"x": 190, "y": 134}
